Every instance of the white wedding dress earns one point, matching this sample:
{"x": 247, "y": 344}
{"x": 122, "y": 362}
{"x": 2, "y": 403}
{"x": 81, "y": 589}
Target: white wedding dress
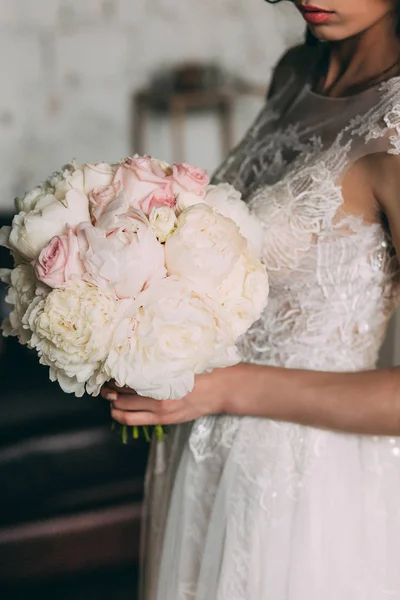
{"x": 252, "y": 509}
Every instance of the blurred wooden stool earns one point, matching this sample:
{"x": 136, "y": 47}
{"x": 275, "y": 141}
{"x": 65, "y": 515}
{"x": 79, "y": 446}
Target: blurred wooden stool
{"x": 178, "y": 105}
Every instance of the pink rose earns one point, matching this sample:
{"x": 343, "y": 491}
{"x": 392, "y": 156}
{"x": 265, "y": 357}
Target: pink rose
{"x": 187, "y": 178}
{"x": 140, "y": 177}
{"x": 101, "y": 197}
{"x": 157, "y": 199}
{"x": 59, "y": 260}
{"x": 121, "y": 253}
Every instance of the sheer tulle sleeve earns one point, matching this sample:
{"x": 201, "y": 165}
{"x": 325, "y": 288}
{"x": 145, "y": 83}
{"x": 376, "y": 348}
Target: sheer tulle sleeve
{"x": 384, "y": 143}
{"x": 379, "y": 129}
{"x": 287, "y": 79}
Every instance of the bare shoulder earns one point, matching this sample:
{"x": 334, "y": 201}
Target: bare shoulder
{"x": 384, "y": 168}
{"x": 294, "y": 61}
{"x": 384, "y": 173}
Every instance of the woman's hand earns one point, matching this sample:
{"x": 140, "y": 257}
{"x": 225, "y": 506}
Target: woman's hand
{"x": 210, "y": 396}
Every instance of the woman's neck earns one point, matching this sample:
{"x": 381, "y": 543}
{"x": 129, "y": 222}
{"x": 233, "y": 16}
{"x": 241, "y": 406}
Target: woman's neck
{"x": 362, "y": 58}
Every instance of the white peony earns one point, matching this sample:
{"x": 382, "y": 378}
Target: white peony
{"x": 121, "y": 253}
{"x": 23, "y": 289}
{"x": 204, "y": 248}
{"x": 163, "y": 222}
{"x": 29, "y": 201}
{"x": 56, "y": 184}
{"x": 225, "y": 199}
{"x": 170, "y": 335}
{"x": 244, "y": 293}
{"x": 31, "y": 231}
{"x": 71, "y": 330}
{"x": 185, "y": 200}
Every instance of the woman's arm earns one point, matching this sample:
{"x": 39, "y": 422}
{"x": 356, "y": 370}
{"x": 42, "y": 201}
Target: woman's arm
{"x": 364, "y": 403}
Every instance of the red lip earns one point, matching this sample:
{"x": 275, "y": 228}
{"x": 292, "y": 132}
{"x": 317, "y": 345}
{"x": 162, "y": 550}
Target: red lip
{"x": 314, "y": 14}
{"x": 312, "y": 8}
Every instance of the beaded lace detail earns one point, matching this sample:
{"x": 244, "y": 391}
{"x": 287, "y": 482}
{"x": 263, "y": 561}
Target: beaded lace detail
{"x": 240, "y": 484}
{"x": 331, "y": 274}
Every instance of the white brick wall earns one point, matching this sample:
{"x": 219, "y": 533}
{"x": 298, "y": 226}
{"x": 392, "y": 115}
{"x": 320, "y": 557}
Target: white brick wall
{"x": 69, "y": 67}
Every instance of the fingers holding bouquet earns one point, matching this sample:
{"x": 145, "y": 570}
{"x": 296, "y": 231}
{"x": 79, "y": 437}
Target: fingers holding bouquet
{"x": 207, "y": 398}
{"x": 131, "y": 409}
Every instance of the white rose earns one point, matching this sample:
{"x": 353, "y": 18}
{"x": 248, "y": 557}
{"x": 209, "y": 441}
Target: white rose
{"x": 204, "y": 248}
{"x": 163, "y": 222}
{"x": 244, "y": 293}
{"x": 89, "y": 176}
{"x": 23, "y": 289}
{"x": 31, "y": 231}
{"x": 121, "y": 253}
{"x": 225, "y": 199}
{"x": 79, "y": 177}
{"x": 170, "y": 335}
{"x": 71, "y": 330}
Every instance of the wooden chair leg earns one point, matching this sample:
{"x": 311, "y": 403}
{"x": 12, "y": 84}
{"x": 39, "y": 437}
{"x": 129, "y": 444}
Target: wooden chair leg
{"x": 139, "y": 126}
{"x": 177, "y": 116}
{"x": 226, "y": 126}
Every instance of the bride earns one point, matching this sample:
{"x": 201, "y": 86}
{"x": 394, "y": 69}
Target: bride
{"x": 285, "y": 484}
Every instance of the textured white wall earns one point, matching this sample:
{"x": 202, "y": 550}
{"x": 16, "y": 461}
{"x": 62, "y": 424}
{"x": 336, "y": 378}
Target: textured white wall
{"x": 68, "y": 69}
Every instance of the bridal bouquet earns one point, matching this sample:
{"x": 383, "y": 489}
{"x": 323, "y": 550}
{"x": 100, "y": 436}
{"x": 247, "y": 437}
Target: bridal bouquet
{"x": 140, "y": 272}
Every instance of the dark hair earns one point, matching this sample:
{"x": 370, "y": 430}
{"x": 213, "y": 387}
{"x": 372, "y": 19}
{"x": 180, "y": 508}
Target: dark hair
{"x": 312, "y": 40}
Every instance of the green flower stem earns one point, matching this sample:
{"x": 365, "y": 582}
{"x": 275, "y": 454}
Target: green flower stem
{"x": 147, "y": 433}
{"x": 136, "y": 432}
{"x": 159, "y": 432}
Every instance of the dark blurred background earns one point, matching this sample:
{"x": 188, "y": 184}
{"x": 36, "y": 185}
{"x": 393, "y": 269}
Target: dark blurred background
{"x": 98, "y": 80}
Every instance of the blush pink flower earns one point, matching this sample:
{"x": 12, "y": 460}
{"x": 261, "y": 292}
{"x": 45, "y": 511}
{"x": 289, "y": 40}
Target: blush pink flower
{"x": 140, "y": 178}
{"x": 157, "y": 199}
{"x": 101, "y": 197}
{"x": 121, "y": 253}
{"x": 59, "y": 260}
{"x": 187, "y": 178}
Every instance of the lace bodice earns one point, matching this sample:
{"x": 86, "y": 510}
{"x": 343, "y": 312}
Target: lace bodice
{"x": 333, "y": 276}
{"x": 243, "y": 508}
